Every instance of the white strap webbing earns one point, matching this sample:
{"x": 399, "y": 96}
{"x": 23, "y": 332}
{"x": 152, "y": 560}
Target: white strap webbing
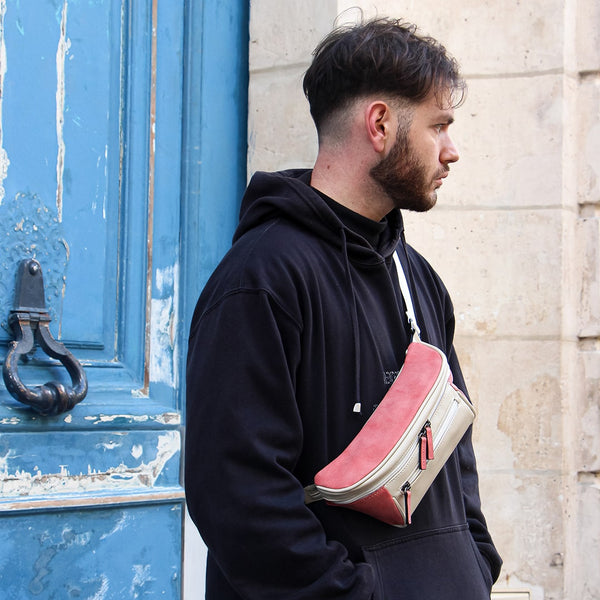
{"x": 410, "y": 311}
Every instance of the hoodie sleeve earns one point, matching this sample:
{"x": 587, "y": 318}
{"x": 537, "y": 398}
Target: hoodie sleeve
{"x": 243, "y": 439}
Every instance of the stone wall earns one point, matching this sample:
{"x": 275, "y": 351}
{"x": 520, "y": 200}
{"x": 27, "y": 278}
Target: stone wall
{"x": 515, "y": 236}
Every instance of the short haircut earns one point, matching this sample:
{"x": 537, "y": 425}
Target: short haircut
{"x": 379, "y": 56}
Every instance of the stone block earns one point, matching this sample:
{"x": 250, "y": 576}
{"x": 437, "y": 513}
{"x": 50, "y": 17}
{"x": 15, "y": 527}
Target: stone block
{"x": 503, "y": 268}
{"x": 524, "y": 511}
{"x": 485, "y": 37}
{"x": 509, "y": 134}
{"x": 588, "y": 138}
{"x": 587, "y": 425}
{"x": 286, "y": 33}
{"x": 587, "y": 262}
{"x": 281, "y": 133}
{"x": 587, "y": 35}
{"x": 515, "y": 386}
{"x": 586, "y": 576}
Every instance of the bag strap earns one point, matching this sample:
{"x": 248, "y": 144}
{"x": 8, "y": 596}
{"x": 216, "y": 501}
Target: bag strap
{"x": 410, "y": 311}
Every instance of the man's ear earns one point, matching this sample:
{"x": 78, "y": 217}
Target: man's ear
{"x": 378, "y": 121}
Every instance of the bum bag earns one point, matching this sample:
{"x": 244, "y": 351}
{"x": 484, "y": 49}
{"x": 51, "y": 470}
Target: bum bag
{"x": 388, "y": 467}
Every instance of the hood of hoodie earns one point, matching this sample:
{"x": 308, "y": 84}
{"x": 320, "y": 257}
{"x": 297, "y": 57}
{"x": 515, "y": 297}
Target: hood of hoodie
{"x": 288, "y": 194}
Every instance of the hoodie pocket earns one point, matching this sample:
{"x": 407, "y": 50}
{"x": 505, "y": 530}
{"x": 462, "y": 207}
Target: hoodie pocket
{"x": 441, "y": 564}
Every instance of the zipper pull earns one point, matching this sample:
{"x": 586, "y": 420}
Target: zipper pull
{"x": 407, "y": 513}
{"x": 425, "y": 446}
{"x": 422, "y": 451}
{"x": 429, "y": 435}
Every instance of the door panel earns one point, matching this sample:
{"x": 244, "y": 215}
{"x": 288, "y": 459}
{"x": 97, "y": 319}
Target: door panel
{"x": 79, "y": 192}
{"x": 61, "y": 105}
{"x": 91, "y": 108}
{"x": 114, "y": 552}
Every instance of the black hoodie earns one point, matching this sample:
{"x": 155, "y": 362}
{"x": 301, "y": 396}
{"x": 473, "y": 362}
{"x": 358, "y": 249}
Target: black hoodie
{"x": 301, "y": 322}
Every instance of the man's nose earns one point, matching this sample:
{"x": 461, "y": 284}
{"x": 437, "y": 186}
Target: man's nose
{"x": 449, "y": 153}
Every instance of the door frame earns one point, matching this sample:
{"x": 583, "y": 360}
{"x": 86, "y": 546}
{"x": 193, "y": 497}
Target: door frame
{"x": 214, "y": 151}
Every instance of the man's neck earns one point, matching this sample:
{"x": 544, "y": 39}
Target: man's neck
{"x": 350, "y": 185}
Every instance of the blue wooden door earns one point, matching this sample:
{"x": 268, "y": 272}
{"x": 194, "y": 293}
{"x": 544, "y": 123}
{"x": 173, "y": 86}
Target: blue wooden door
{"x": 103, "y": 104}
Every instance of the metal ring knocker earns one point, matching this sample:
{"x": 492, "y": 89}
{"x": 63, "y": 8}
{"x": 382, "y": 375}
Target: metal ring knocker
{"x": 29, "y": 321}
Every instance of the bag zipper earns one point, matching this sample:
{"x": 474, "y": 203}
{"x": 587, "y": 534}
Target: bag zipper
{"x": 444, "y": 426}
{"x": 425, "y": 445}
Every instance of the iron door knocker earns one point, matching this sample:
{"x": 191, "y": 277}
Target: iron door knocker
{"x": 29, "y": 321}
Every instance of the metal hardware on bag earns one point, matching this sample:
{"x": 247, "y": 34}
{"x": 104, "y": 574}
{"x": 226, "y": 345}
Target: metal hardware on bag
{"x": 407, "y": 493}
{"x": 29, "y": 321}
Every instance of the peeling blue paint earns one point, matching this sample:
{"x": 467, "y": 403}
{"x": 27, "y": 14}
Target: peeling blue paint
{"x": 92, "y": 554}
{"x": 38, "y": 465}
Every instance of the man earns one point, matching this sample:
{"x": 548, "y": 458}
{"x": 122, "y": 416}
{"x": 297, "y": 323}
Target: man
{"x": 301, "y": 330}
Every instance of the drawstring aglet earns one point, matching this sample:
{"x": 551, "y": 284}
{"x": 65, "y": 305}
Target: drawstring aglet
{"x": 357, "y": 408}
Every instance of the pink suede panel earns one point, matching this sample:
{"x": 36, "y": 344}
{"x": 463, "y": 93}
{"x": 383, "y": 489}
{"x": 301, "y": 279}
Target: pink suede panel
{"x": 380, "y": 505}
{"x": 385, "y": 427}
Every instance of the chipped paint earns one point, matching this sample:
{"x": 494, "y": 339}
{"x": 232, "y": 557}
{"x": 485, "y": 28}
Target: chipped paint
{"x": 101, "y": 593}
{"x": 162, "y": 419}
{"x": 109, "y": 445}
{"x": 103, "y": 158}
{"x": 119, "y": 526}
{"x": 122, "y": 477}
{"x": 164, "y": 316}
{"x": 4, "y": 162}
{"x": 63, "y": 47}
{"x": 4, "y": 461}
{"x": 112, "y": 418}
{"x": 167, "y": 418}
{"x": 150, "y": 236}
{"x": 161, "y": 357}
{"x": 166, "y": 279}
{"x": 141, "y": 576}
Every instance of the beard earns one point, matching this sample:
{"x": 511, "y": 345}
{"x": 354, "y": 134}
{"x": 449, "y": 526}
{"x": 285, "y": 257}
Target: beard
{"x": 404, "y": 178}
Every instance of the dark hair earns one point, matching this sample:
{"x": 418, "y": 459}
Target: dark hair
{"x": 378, "y": 56}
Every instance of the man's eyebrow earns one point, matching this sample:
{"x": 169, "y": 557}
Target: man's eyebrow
{"x": 445, "y": 116}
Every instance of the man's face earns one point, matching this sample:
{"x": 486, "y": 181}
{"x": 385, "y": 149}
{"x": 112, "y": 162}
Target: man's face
{"x": 413, "y": 169}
